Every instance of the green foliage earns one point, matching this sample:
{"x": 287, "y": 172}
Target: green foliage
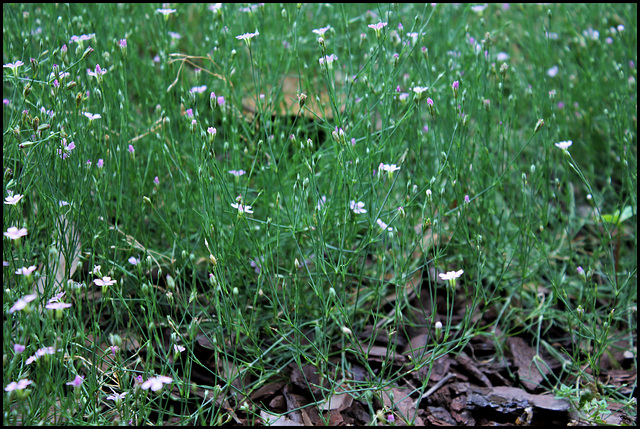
{"x": 278, "y": 266}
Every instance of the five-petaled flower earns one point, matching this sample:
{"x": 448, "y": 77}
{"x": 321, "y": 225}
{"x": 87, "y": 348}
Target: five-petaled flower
{"x": 13, "y": 66}
{"x": 241, "y": 208}
{"x": 357, "y": 207}
{"x": 67, "y": 148}
{"x": 104, "y": 281}
{"x": 383, "y": 225}
{"x": 21, "y": 384}
{"x": 166, "y": 12}
{"x": 14, "y": 233}
{"x": 247, "y": 37}
{"x": 57, "y": 305}
{"x": 199, "y": 89}
{"x": 564, "y": 145}
{"x": 155, "y": 383}
{"x": 13, "y": 199}
{"x": 99, "y": 71}
{"x": 22, "y": 303}
{"x": 379, "y": 26}
{"x": 451, "y": 275}
{"x": 26, "y": 271}
{"x": 92, "y": 116}
{"x": 388, "y": 167}
{"x": 321, "y": 31}
{"x": 117, "y": 397}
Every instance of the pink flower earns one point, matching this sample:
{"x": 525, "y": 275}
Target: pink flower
{"x": 117, "y": 397}
{"x": 383, "y": 225}
{"x": 358, "y": 207}
{"x": 57, "y": 297}
{"x": 13, "y": 199}
{"x": 166, "y": 12}
{"x": 14, "y": 66}
{"x": 199, "y": 89}
{"x": 321, "y": 31}
{"x": 14, "y": 233}
{"x": 429, "y": 101}
{"x": 155, "y": 383}
{"x": 379, "y": 26}
{"x": 178, "y": 348}
{"x": 99, "y": 71}
{"x": 131, "y": 149}
{"x": 321, "y": 202}
{"x": 455, "y": 84}
{"x": 241, "y": 208}
{"x": 91, "y": 116}
{"x": 100, "y": 163}
{"x": 104, "y": 281}
{"x": 20, "y": 385}
{"x": 466, "y": 199}
{"x": 247, "y": 37}
{"x": 22, "y": 303}
{"x": 133, "y": 260}
{"x": 39, "y": 353}
{"x": 156, "y": 180}
{"x": 256, "y": 264}
{"x": 189, "y": 113}
{"x": 26, "y": 271}
{"x": 122, "y": 43}
{"x": 220, "y": 100}
{"x": 212, "y": 131}
{"x": 57, "y": 306}
{"x": 77, "y": 382}
{"x": 237, "y": 172}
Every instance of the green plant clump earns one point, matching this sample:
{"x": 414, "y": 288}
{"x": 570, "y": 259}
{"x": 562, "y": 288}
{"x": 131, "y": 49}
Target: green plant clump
{"x": 202, "y": 201}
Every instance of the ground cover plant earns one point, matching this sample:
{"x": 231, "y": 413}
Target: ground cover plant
{"x": 319, "y": 214}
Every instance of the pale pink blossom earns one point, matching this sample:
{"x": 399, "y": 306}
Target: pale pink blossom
{"x": 22, "y": 303}
{"x": 26, "y": 271}
{"x": 155, "y": 383}
{"x": 564, "y": 145}
{"x": 105, "y": 281}
{"x": 77, "y": 382}
{"x": 20, "y": 385}
{"x": 242, "y": 208}
{"x": 383, "y": 225}
{"x": 13, "y": 199}
{"x": 357, "y": 207}
{"x": 14, "y": 233}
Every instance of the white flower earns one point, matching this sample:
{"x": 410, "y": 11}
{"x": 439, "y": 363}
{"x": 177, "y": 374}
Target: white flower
{"x": 553, "y": 71}
{"x": 450, "y": 275}
{"x": 564, "y": 145}
{"x": 388, "y": 167}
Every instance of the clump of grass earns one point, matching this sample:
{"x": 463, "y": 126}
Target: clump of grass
{"x": 263, "y": 185}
